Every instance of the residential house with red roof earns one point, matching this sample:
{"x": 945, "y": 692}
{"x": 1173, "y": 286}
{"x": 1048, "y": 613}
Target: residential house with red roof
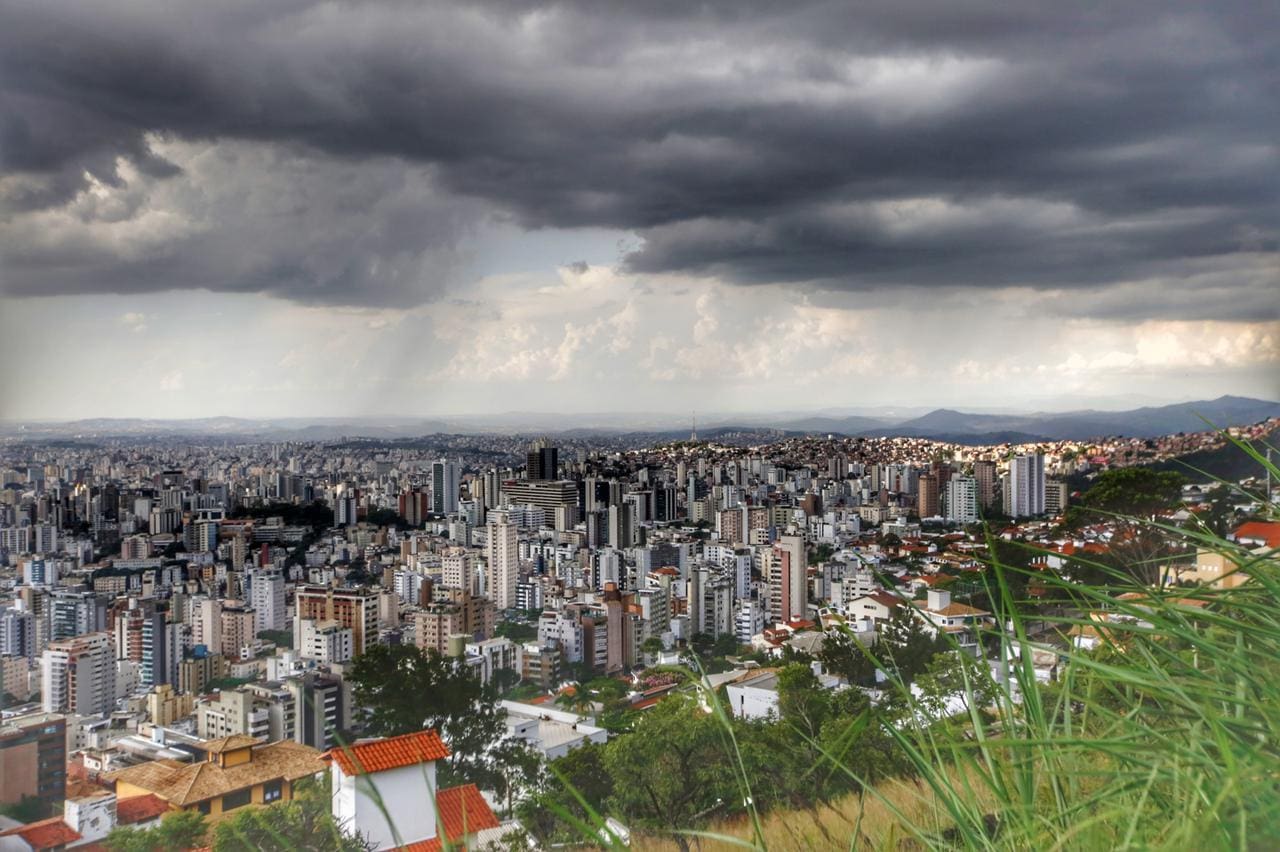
{"x": 385, "y": 791}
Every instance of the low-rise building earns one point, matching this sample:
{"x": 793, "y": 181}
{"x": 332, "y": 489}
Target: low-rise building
{"x": 380, "y": 786}
{"x": 237, "y": 771}
{"x": 552, "y": 732}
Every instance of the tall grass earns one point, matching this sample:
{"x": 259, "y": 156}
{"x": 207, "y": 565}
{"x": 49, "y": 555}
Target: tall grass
{"x": 1165, "y": 737}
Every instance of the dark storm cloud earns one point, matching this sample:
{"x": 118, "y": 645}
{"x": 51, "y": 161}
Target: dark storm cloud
{"x": 851, "y": 146}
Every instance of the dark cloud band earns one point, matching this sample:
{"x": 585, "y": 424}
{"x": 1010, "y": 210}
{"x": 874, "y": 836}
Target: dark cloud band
{"x": 843, "y": 145}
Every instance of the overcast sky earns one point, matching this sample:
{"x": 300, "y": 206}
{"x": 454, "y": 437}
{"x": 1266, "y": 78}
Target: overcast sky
{"x": 298, "y": 208}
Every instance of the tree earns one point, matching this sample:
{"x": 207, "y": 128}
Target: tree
{"x": 303, "y": 822}
{"x": 843, "y": 655}
{"x": 1129, "y": 499}
{"x": 516, "y": 631}
{"x": 282, "y": 638}
{"x": 955, "y": 679}
{"x": 802, "y": 701}
{"x": 652, "y": 646}
{"x": 673, "y": 771}
{"x": 407, "y": 688}
{"x": 177, "y": 830}
{"x": 725, "y": 645}
{"x": 905, "y": 646}
{"x": 549, "y": 812}
{"x": 386, "y": 518}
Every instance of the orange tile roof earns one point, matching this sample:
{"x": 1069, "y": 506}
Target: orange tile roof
{"x": 1267, "y": 532}
{"x": 389, "y": 753}
{"x": 463, "y": 812}
{"x": 50, "y": 833}
{"x": 140, "y": 808}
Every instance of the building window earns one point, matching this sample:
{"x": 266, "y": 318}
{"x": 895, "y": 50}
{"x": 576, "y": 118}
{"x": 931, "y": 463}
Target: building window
{"x": 238, "y": 799}
{"x": 272, "y": 790}
{"x": 203, "y": 807}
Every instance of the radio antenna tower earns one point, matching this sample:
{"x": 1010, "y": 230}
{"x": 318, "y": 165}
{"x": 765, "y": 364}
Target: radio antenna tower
{"x": 693, "y": 435}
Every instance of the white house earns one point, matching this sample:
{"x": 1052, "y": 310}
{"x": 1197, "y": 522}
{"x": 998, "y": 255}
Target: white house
{"x": 879, "y": 606}
{"x": 382, "y": 790}
{"x": 958, "y": 620}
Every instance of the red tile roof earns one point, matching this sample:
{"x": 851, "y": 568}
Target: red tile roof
{"x": 389, "y": 753}
{"x": 432, "y": 845}
{"x": 463, "y": 812}
{"x": 50, "y": 833}
{"x": 140, "y": 808}
{"x": 1267, "y": 532}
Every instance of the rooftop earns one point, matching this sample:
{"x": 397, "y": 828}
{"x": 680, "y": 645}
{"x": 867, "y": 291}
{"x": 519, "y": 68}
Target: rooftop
{"x": 390, "y": 753}
{"x": 185, "y": 784}
{"x": 50, "y": 833}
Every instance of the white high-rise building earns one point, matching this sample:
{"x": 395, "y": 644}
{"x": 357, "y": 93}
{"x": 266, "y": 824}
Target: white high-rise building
{"x": 266, "y": 595}
{"x": 78, "y": 675}
{"x": 503, "y": 557}
{"x": 206, "y": 623}
{"x": 962, "y": 499}
{"x": 444, "y": 487}
{"x": 1026, "y": 485}
{"x": 456, "y": 570}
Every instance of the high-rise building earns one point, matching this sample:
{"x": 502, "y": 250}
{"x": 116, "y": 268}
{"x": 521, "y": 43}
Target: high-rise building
{"x": 927, "y": 504}
{"x": 324, "y": 707}
{"x": 17, "y": 633}
{"x": 206, "y": 623}
{"x": 732, "y": 524}
{"x": 503, "y": 557}
{"x": 984, "y": 472}
{"x": 414, "y": 504}
{"x": 33, "y": 758}
{"x": 266, "y": 596}
{"x": 962, "y": 499}
{"x": 444, "y": 487}
{"x": 542, "y": 461}
{"x": 792, "y": 577}
{"x": 460, "y": 613}
{"x": 622, "y": 527}
{"x": 1055, "y": 496}
{"x": 160, "y": 650}
{"x": 356, "y": 609}
{"x": 76, "y": 613}
{"x": 456, "y": 569}
{"x": 346, "y": 506}
{"x": 1026, "y": 484}
{"x": 78, "y": 675}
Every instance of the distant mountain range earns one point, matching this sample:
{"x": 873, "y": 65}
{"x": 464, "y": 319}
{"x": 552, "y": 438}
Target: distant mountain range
{"x": 1077, "y": 425}
{"x": 942, "y": 424}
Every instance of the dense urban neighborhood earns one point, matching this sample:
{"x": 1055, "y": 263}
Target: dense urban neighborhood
{"x": 209, "y": 630}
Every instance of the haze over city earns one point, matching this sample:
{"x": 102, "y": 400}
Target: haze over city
{"x": 344, "y": 209}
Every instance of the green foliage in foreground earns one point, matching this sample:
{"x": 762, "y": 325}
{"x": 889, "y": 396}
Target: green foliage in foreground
{"x": 279, "y": 827}
{"x": 177, "y": 830}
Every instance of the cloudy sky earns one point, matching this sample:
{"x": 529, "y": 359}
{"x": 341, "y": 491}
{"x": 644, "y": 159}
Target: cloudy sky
{"x": 299, "y": 208}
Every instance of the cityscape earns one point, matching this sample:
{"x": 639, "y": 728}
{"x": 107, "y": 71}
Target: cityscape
{"x": 173, "y": 603}
{"x": 520, "y": 425}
